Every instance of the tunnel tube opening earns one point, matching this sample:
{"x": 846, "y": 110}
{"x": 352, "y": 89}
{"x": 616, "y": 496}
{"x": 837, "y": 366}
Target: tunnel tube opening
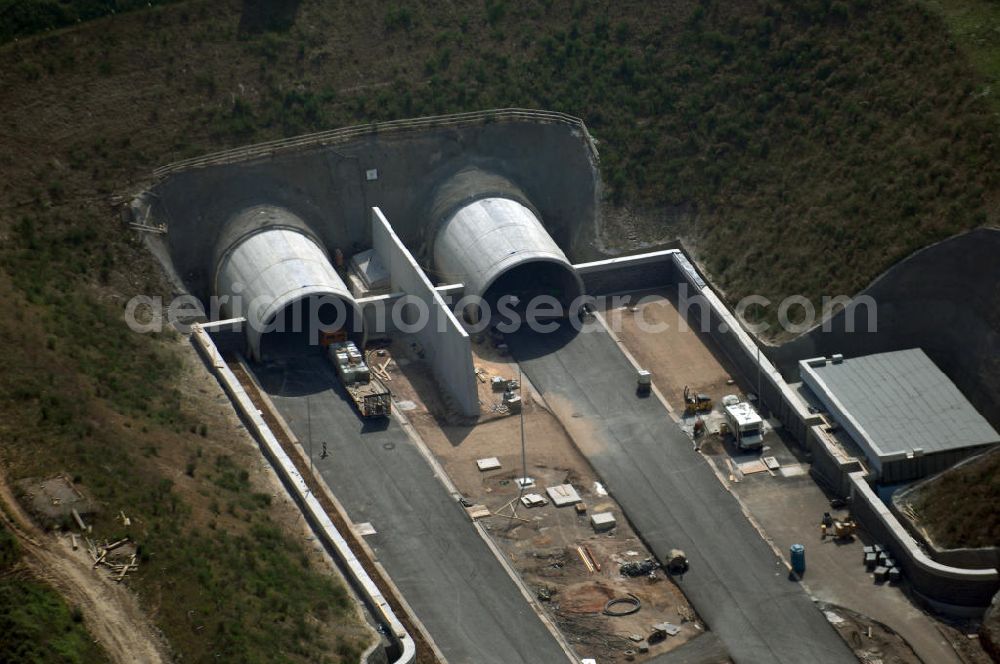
{"x": 305, "y": 326}
{"x": 543, "y": 281}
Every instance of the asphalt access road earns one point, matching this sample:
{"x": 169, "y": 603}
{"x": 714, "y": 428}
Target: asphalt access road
{"x": 674, "y": 500}
{"x": 472, "y": 609}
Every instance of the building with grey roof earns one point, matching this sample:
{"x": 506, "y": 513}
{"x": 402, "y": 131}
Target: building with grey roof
{"x": 904, "y": 413}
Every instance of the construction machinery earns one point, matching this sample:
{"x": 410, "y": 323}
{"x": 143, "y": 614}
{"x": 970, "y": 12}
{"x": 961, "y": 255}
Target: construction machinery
{"x": 327, "y": 337}
{"x": 677, "y": 562}
{"x": 696, "y": 403}
{"x": 370, "y": 395}
{"x": 643, "y": 382}
{"x": 837, "y": 528}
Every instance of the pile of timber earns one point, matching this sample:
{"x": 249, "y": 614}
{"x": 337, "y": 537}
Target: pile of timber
{"x": 379, "y": 370}
{"x": 104, "y": 555}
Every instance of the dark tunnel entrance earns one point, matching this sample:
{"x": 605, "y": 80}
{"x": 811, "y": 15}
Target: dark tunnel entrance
{"x": 304, "y": 326}
{"x": 539, "y": 281}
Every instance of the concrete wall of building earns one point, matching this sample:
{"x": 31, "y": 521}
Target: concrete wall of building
{"x": 445, "y": 342}
{"x": 943, "y": 299}
{"x": 951, "y": 590}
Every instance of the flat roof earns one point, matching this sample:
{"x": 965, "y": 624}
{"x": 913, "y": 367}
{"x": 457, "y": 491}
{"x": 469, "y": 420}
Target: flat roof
{"x": 744, "y": 414}
{"x": 897, "y": 402}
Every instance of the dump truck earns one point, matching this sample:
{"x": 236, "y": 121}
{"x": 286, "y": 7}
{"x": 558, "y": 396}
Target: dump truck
{"x": 371, "y": 397}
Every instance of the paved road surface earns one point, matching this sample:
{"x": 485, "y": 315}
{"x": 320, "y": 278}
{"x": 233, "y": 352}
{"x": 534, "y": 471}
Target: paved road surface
{"x": 471, "y": 608}
{"x": 736, "y": 583}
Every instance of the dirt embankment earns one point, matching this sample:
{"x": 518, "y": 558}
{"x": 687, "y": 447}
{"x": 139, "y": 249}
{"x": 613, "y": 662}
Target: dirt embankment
{"x": 111, "y": 612}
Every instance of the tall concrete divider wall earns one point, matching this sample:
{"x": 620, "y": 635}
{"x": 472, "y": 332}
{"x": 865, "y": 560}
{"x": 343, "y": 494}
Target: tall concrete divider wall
{"x": 445, "y": 342}
{"x": 948, "y": 589}
{"x": 318, "y": 520}
{"x": 376, "y": 312}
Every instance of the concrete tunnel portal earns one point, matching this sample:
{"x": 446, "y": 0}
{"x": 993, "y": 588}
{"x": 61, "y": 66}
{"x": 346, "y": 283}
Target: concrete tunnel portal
{"x": 497, "y": 247}
{"x": 272, "y": 270}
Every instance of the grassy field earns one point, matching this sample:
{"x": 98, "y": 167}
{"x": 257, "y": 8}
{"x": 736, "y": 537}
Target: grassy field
{"x": 959, "y": 507}
{"x": 797, "y": 147}
{"x": 38, "y": 627}
{"x": 975, "y": 25}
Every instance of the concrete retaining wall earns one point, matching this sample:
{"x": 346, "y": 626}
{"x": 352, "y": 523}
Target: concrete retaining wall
{"x": 628, "y": 273}
{"x": 324, "y": 180}
{"x": 829, "y": 464}
{"x": 706, "y": 310}
{"x": 318, "y": 520}
{"x": 947, "y": 589}
{"x": 943, "y": 299}
{"x": 445, "y": 342}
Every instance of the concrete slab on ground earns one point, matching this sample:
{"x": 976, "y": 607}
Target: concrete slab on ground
{"x": 789, "y": 510}
{"x": 471, "y": 607}
{"x": 674, "y": 499}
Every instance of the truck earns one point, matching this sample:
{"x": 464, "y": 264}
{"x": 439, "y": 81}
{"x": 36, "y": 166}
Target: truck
{"x": 370, "y": 395}
{"x": 745, "y": 425}
{"x": 643, "y": 382}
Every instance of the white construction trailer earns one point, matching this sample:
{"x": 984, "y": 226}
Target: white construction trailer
{"x": 745, "y": 425}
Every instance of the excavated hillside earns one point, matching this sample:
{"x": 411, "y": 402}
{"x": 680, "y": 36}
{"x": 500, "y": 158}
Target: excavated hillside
{"x": 798, "y": 146}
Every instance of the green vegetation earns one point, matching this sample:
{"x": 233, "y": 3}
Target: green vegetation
{"x": 226, "y": 579}
{"x": 27, "y": 17}
{"x": 771, "y": 132}
{"x": 975, "y": 25}
{"x": 38, "y": 627}
{"x": 959, "y": 507}
{"x": 798, "y": 147}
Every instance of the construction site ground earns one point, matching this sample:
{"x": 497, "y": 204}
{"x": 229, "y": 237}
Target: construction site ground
{"x": 786, "y": 503}
{"x": 541, "y": 542}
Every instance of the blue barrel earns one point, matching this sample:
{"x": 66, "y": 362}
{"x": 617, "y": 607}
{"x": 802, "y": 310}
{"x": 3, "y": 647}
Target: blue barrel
{"x": 798, "y": 558}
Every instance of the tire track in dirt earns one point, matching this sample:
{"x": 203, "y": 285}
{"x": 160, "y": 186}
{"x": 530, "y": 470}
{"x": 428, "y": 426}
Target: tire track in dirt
{"x": 110, "y": 610}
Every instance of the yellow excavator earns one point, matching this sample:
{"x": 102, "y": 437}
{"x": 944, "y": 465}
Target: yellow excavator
{"x": 696, "y": 403}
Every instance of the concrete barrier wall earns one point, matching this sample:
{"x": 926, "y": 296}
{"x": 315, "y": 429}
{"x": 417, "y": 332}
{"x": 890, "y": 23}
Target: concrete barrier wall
{"x": 706, "y": 309}
{"x": 318, "y": 520}
{"x": 445, "y": 342}
{"x": 951, "y": 590}
{"x": 829, "y": 465}
{"x": 628, "y": 273}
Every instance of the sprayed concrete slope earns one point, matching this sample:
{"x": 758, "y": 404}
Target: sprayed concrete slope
{"x": 944, "y": 299}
